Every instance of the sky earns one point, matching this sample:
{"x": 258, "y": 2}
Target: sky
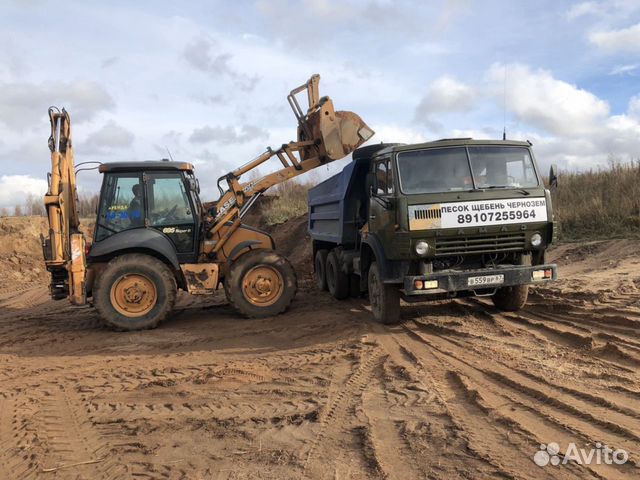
{"x": 206, "y": 81}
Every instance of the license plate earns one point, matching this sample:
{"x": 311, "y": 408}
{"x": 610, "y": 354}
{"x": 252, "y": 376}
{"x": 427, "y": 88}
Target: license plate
{"x": 485, "y": 280}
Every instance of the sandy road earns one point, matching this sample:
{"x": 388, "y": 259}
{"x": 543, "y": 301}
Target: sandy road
{"x": 458, "y": 390}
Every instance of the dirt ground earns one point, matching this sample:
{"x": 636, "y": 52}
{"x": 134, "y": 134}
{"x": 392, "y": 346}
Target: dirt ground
{"x": 458, "y": 390}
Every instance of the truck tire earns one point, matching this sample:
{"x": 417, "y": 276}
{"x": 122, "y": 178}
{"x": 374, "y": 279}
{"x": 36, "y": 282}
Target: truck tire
{"x": 134, "y": 292}
{"x": 511, "y": 299}
{"x": 337, "y": 280}
{"x": 384, "y": 298}
{"x": 261, "y": 283}
{"x": 320, "y": 266}
{"x": 354, "y": 285}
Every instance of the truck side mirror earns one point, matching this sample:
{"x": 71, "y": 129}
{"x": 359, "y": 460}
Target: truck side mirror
{"x": 372, "y": 184}
{"x": 553, "y": 176}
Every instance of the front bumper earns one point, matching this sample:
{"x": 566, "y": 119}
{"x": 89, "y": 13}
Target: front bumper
{"x": 456, "y": 281}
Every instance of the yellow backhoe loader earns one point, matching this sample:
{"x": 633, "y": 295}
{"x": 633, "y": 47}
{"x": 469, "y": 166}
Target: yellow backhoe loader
{"x": 154, "y": 236}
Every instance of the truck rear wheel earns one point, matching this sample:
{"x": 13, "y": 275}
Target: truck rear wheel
{"x": 511, "y": 299}
{"x": 320, "y": 266}
{"x": 134, "y": 292}
{"x": 261, "y": 283}
{"x": 337, "y": 280}
{"x": 384, "y": 298}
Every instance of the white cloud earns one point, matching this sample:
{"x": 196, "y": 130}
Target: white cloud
{"x": 14, "y": 189}
{"x": 206, "y": 56}
{"x": 540, "y": 100}
{"x": 583, "y": 9}
{"x": 623, "y": 40}
{"x": 23, "y": 104}
{"x": 111, "y": 136}
{"x": 624, "y": 69}
{"x": 445, "y": 94}
{"x": 227, "y": 135}
{"x": 634, "y": 107}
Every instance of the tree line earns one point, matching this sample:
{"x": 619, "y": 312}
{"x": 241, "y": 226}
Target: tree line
{"x": 34, "y": 206}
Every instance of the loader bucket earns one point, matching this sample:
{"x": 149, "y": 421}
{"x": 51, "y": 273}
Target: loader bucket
{"x": 340, "y": 132}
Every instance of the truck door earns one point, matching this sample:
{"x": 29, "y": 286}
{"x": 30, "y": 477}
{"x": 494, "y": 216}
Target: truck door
{"x": 382, "y": 217}
{"x": 170, "y": 210}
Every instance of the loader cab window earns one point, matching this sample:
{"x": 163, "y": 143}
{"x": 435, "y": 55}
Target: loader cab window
{"x": 170, "y": 209}
{"x": 122, "y": 204}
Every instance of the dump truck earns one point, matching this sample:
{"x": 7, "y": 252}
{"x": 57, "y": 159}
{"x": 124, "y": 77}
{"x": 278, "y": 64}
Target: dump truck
{"x": 431, "y": 221}
{"x": 154, "y": 235}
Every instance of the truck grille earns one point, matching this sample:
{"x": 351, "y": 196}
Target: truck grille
{"x": 426, "y": 213}
{"x": 500, "y": 242}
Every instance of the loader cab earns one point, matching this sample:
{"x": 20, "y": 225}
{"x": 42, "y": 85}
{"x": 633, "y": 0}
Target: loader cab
{"x": 162, "y": 196}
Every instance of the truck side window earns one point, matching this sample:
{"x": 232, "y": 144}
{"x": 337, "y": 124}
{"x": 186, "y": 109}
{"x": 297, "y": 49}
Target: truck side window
{"x": 385, "y": 179}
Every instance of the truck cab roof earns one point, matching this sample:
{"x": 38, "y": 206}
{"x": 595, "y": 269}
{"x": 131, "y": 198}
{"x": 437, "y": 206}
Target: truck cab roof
{"x": 145, "y": 165}
{"x": 444, "y": 142}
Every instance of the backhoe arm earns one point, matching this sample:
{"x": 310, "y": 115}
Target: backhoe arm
{"x": 324, "y": 135}
{"x": 64, "y": 247}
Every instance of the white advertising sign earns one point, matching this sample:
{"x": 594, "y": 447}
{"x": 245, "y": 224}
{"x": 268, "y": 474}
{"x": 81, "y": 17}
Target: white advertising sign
{"x": 477, "y": 213}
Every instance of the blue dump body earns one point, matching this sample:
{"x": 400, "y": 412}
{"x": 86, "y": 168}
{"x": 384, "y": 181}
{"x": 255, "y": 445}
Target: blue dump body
{"x": 337, "y": 206}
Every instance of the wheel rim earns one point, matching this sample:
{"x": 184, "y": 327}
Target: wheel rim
{"x": 262, "y": 285}
{"x": 133, "y": 295}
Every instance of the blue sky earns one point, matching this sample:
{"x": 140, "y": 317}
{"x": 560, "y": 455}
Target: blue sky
{"x": 208, "y": 80}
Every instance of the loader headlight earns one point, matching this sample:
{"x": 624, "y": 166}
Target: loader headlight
{"x": 422, "y": 248}
{"x": 536, "y": 240}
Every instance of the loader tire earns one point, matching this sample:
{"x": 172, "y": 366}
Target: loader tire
{"x": 337, "y": 280}
{"x": 384, "y": 298}
{"x": 134, "y": 292}
{"x": 320, "y": 266}
{"x": 511, "y": 299}
{"x": 261, "y": 283}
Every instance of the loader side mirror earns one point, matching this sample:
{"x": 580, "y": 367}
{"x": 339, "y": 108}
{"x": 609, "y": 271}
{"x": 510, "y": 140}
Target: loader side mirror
{"x": 553, "y": 176}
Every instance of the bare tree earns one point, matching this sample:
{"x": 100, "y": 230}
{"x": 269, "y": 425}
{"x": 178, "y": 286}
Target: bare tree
{"x": 4, "y": 212}
{"x": 17, "y": 211}
{"x": 34, "y": 205}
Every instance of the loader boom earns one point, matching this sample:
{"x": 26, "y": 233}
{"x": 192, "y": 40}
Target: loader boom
{"x": 324, "y": 135}
{"x": 64, "y": 247}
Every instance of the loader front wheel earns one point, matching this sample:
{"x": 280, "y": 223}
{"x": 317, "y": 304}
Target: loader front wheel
{"x": 261, "y": 283}
{"x": 134, "y": 292}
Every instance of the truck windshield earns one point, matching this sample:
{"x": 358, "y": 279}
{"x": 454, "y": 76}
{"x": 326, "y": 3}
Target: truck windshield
{"x": 462, "y": 168}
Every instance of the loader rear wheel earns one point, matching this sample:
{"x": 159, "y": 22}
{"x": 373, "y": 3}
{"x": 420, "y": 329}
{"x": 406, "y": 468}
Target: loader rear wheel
{"x": 134, "y": 292}
{"x": 261, "y": 283}
{"x": 337, "y": 280}
{"x": 320, "y": 266}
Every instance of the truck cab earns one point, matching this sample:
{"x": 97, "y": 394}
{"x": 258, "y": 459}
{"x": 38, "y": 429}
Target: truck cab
{"x": 454, "y": 217}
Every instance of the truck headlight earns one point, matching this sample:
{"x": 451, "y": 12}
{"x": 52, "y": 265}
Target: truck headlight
{"x": 536, "y": 240}
{"x": 422, "y": 248}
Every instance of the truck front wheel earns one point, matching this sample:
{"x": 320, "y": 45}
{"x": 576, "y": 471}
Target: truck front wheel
{"x": 337, "y": 280}
{"x": 511, "y": 299}
{"x": 261, "y": 283}
{"x": 384, "y": 298}
{"x": 134, "y": 292}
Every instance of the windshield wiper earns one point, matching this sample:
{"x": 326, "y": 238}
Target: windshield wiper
{"x": 521, "y": 190}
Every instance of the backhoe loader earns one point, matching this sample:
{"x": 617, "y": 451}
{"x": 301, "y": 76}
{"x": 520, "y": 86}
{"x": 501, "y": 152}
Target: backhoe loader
{"x": 153, "y": 235}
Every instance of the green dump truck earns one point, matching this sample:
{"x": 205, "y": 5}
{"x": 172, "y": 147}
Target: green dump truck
{"x": 436, "y": 220}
